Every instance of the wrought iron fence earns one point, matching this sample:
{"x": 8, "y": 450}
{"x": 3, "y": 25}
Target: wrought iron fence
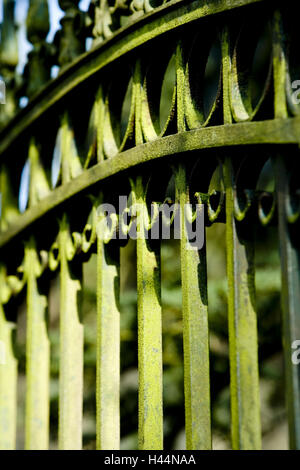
{"x": 98, "y": 132}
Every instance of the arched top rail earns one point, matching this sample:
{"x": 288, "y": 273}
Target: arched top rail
{"x": 162, "y": 19}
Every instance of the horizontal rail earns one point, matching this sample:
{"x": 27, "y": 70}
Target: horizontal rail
{"x": 277, "y": 131}
{"x": 161, "y": 20}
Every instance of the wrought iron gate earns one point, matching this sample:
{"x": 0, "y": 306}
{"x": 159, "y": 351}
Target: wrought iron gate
{"x": 69, "y": 145}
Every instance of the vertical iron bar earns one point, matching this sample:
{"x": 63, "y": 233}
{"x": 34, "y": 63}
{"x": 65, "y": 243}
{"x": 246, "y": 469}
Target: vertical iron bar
{"x": 71, "y": 348}
{"x": 108, "y": 347}
{"x": 242, "y": 321}
{"x": 9, "y": 58}
{"x": 290, "y": 300}
{"x": 242, "y": 324}
{"x": 37, "y": 358}
{"x": 8, "y": 379}
{"x": 149, "y": 332}
{"x": 195, "y": 331}
{"x": 289, "y": 248}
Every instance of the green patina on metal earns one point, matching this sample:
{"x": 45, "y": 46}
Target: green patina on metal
{"x": 8, "y": 375}
{"x": 71, "y": 346}
{"x": 38, "y": 357}
{"x": 149, "y": 330}
{"x": 289, "y": 249}
{"x": 280, "y": 131}
{"x": 90, "y": 152}
{"x": 244, "y": 379}
{"x": 103, "y": 55}
{"x": 108, "y": 346}
{"x": 195, "y": 331}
